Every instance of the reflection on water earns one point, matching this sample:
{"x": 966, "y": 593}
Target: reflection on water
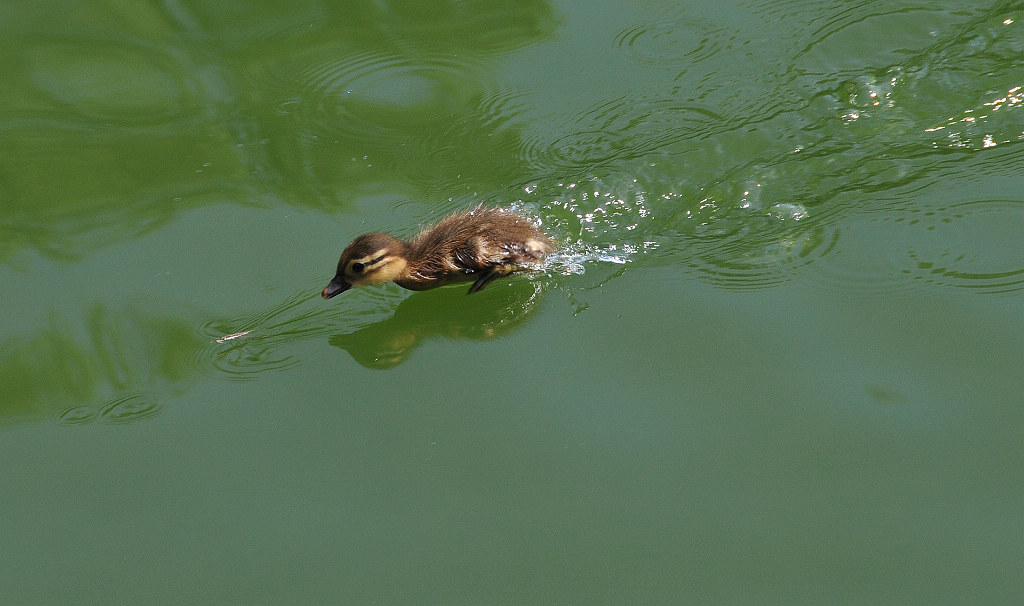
{"x": 141, "y": 112}
{"x": 117, "y": 367}
{"x": 114, "y": 366}
{"x": 399, "y": 93}
{"x": 109, "y": 82}
{"x": 382, "y": 328}
{"x": 488, "y": 314}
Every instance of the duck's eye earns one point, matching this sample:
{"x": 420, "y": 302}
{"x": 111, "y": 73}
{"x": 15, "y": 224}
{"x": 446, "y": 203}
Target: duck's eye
{"x": 358, "y": 268}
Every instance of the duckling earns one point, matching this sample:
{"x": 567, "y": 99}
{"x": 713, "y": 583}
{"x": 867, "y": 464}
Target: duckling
{"x": 478, "y": 246}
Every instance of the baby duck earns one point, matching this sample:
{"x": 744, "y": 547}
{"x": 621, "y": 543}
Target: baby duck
{"x": 476, "y": 246}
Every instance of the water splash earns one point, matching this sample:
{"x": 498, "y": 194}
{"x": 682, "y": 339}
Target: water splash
{"x": 737, "y": 237}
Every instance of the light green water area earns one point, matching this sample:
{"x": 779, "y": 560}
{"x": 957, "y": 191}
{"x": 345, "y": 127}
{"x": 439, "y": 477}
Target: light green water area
{"x": 776, "y": 360}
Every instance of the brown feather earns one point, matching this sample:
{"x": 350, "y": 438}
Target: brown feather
{"x": 476, "y": 245}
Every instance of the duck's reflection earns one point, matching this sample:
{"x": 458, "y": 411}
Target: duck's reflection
{"x": 446, "y": 312}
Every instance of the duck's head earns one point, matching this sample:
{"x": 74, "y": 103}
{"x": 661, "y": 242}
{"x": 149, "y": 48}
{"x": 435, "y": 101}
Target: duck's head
{"x": 369, "y": 259}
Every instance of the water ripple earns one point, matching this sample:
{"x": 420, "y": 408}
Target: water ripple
{"x": 123, "y": 409}
{"x": 446, "y": 168}
{"x": 670, "y": 42}
{"x": 243, "y": 349}
{"x": 617, "y": 130}
{"x": 947, "y": 246}
{"x": 953, "y": 246}
{"x": 129, "y": 408}
{"x": 500, "y": 107}
{"x": 762, "y": 259}
{"x": 78, "y": 415}
{"x": 371, "y": 95}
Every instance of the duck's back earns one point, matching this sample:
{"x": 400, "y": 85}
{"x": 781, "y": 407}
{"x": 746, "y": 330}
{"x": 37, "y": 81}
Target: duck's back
{"x": 478, "y": 240}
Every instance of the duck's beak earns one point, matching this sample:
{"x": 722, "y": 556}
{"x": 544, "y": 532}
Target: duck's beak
{"x": 337, "y": 286}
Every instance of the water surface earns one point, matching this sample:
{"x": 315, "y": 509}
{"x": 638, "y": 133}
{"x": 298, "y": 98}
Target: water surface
{"x": 775, "y": 361}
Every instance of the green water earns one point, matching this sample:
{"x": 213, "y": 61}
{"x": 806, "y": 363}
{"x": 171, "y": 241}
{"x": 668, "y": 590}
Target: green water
{"x": 777, "y": 360}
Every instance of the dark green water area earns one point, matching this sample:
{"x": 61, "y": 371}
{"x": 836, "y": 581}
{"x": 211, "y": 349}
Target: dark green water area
{"x": 776, "y": 360}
